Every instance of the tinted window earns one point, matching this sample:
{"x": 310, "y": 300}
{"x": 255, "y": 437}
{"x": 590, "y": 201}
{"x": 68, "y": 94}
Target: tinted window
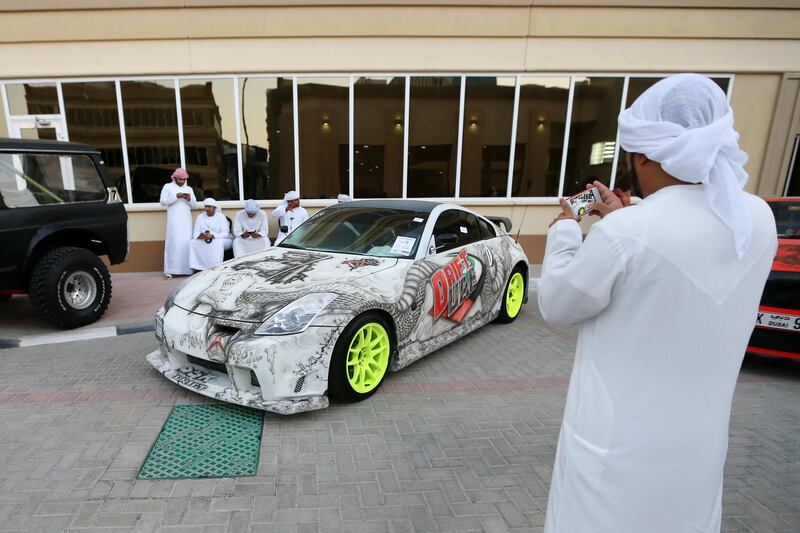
{"x": 487, "y": 231}
{"x": 28, "y": 180}
{"x": 462, "y": 225}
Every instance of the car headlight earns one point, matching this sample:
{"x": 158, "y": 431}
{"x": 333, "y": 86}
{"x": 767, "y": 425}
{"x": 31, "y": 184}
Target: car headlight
{"x": 296, "y": 316}
{"x": 170, "y": 301}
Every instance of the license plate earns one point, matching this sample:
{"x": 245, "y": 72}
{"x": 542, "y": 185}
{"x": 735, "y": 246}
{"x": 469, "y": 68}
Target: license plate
{"x": 780, "y": 321}
{"x": 159, "y": 328}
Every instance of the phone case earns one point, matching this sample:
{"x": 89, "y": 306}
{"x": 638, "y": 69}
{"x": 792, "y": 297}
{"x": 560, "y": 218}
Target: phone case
{"x": 580, "y": 202}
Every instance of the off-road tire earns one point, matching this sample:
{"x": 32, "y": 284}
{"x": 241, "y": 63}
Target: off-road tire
{"x": 506, "y": 316}
{"x": 339, "y": 386}
{"x": 46, "y": 286}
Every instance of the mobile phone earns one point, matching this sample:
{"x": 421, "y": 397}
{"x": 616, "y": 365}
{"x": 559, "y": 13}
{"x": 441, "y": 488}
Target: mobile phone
{"x": 580, "y": 202}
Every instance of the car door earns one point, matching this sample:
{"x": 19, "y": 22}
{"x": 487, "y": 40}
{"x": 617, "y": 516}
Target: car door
{"x": 453, "y": 288}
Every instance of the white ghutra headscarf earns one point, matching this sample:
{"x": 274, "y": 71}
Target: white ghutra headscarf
{"x": 685, "y": 123}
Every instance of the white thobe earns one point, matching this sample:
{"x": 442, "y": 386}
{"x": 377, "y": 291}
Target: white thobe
{"x": 242, "y": 222}
{"x": 205, "y": 255}
{"x": 179, "y": 228}
{"x": 290, "y": 219}
{"x": 665, "y": 310}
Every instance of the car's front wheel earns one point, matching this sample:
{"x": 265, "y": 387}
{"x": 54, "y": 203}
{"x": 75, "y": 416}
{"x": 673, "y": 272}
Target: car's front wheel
{"x": 360, "y": 359}
{"x": 70, "y": 287}
{"x": 512, "y": 298}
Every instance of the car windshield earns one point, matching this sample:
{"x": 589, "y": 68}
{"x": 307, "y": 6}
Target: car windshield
{"x": 787, "y": 219}
{"x": 379, "y": 232}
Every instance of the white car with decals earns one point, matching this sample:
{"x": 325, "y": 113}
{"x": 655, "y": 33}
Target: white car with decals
{"x": 359, "y": 289}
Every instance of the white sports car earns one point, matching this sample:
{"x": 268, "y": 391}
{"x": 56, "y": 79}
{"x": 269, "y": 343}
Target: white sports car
{"x": 360, "y": 288}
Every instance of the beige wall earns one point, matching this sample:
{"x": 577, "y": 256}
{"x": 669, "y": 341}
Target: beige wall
{"x": 756, "y": 40}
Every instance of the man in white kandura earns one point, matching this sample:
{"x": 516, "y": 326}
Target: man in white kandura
{"x": 289, "y": 215}
{"x": 179, "y": 199}
{"x": 211, "y": 237}
{"x": 250, "y": 230}
{"x": 665, "y": 294}
{"x": 343, "y": 198}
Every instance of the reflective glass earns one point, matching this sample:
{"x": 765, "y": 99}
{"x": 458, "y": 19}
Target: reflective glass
{"x": 3, "y": 126}
{"x": 486, "y": 145}
{"x": 593, "y": 132}
{"x": 379, "y": 105}
{"x": 32, "y": 99}
{"x": 324, "y": 136}
{"x": 541, "y": 121}
{"x": 267, "y": 115}
{"x": 151, "y": 131}
{"x": 433, "y": 136}
{"x": 93, "y": 119}
{"x": 209, "y": 136}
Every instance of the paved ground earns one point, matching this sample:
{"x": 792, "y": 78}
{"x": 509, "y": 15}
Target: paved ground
{"x": 135, "y": 297}
{"x": 460, "y": 441}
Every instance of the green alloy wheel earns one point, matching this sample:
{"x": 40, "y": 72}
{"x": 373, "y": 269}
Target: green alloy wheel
{"x": 360, "y": 359}
{"x": 512, "y": 298}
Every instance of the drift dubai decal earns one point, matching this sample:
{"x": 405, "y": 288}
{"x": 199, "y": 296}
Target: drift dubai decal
{"x": 456, "y": 287}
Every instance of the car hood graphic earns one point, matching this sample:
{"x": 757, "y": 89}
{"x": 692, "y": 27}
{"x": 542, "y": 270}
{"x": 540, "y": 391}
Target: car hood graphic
{"x": 251, "y": 288}
{"x": 788, "y": 257}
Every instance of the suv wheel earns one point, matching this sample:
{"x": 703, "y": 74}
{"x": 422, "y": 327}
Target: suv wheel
{"x": 70, "y": 287}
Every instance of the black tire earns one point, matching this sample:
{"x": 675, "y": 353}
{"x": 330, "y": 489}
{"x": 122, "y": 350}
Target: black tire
{"x": 339, "y": 387}
{"x": 55, "y": 273}
{"x": 505, "y": 317}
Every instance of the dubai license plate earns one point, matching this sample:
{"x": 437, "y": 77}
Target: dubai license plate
{"x": 159, "y": 328}
{"x": 778, "y": 321}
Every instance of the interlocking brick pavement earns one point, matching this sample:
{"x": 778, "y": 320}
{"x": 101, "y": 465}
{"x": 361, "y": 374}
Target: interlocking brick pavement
{"x": 462, "y": 441}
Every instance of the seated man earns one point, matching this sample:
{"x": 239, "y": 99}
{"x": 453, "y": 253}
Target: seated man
{"x": 250, "y": 230}
{"x": 210, "y": 238}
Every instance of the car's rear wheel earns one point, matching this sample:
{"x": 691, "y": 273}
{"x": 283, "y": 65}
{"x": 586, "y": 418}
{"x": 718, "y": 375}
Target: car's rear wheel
{"x": 512, "y": 297}
{"x": 360, "y": 359}
{"x": 70, "y": 287}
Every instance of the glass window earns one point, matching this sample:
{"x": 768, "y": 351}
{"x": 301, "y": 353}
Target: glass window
{"x": 487, "y": 229}
{"x": 593, "y": 132}
{"x": 3, "y": 124}
{"x": 433, "y": 136}
{"x": 380, "y": 232}
{"x": 209, "y": 134}
{"x": 455, "y": 228}
{"x": 32, "y": 99}
{"x": 324, "y": 136}
{"x": 486, "y": 145}
{"x": 541, "y": 121}
{"x": 267, "y": 136}
{"x": 151, "y": 131}
{"x": 93, "y": 119}
{"x": 378, "y": 137}
{"x": 28, "y": 180}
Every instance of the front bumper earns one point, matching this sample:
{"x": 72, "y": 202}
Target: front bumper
{"x": 284, "y": 374}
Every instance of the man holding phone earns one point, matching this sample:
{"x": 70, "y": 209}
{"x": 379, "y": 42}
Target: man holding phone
{"x": 289, "y": 215}
{"x": 644, "y": 436}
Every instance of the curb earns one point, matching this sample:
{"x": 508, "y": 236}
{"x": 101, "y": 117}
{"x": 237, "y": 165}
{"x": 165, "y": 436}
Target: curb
{"x": 79, "y": 335}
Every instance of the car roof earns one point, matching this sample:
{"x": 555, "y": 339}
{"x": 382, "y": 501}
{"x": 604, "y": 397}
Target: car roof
{"x": 38, "y": 145}
{"x": 423, "y": 206}
{"x": 783, "y": 199}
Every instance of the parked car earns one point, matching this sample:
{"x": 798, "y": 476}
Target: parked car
{"x": 359, "y": 289}
{"x": 58, "y": 215}
{"x": 777, "y": 331}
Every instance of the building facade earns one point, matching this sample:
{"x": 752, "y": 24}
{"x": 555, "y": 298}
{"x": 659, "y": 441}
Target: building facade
{"x": 502, "y": 106}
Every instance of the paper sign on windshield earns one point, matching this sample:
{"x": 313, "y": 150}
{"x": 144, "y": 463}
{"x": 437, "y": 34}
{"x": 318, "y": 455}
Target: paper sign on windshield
{"x": 403, "y": 245}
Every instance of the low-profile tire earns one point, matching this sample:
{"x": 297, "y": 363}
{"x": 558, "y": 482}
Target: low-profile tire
{"x": 511, "y": 300}
{"x": 70, "y": 287}
{"x": 360, "y": 359}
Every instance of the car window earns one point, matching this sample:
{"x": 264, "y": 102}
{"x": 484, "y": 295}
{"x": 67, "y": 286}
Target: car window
{"x": 787, "y": 219}
{"x": 31, "y": 179}
{"x": 487, "y": 231}
{"x": 455, "y": 228}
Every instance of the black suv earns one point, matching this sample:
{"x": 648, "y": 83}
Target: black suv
{"x": 58, "y": 214}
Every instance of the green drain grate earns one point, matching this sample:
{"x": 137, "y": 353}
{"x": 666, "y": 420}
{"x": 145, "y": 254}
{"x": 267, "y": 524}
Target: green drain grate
{"x": 206, "y": 441}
